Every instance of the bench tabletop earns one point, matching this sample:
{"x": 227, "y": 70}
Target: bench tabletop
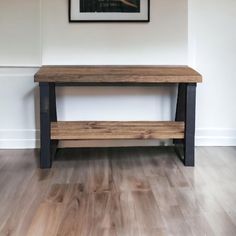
{"x": 117, "y": 74}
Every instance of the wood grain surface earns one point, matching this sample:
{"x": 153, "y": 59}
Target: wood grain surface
{"x": 118, "y": 192}
{"x": 94, "y": 130}
{"x": 118, "y": 74}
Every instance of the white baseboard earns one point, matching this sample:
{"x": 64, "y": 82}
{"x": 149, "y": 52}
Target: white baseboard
{"x": 27, "y": 139}
{"x": 215, "y": 137}
{"x": 19, "y": 144}
{"x": 19, "y": 139}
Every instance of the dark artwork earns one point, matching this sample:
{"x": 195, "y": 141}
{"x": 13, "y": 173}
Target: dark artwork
{"x": 127, "y": 6}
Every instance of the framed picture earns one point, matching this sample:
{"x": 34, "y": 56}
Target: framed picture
{"x": 109, "y": 10}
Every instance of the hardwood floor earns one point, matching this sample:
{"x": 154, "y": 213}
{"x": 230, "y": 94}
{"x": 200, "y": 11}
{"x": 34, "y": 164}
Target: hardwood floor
{"x": 118, "y": 191}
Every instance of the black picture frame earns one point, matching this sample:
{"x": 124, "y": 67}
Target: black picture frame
{"x": 109, "y": 21}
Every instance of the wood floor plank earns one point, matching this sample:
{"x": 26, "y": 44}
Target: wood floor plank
{"x": 147, "y": 212}
{"x": 200, "y": 226}
{"x": 14, "y": 191}
{"x": 26, "y": 205}
{"x": 126, "y": 176}
{"x": 188, "y": 203}
{"x": 118, "y": 191}
{"x": 72, "y": 221}
{"x": 100, "y": 172}
{"x": 232, "y": 215}
{"x": 46, "y": 220}
{"x": 221, "y": 223}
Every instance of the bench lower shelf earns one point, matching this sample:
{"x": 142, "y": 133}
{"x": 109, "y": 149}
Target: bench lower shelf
{"x": 108, "y": 130}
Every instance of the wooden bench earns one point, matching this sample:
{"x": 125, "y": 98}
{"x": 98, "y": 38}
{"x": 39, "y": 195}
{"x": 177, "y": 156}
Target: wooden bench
{"x": 182, "y": 130}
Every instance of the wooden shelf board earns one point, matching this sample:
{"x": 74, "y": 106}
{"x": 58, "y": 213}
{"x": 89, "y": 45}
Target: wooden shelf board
{"x": 110, "y": 130}
{"x": 118, "y": 74}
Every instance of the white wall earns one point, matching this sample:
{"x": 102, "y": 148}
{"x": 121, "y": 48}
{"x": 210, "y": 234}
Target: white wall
{"x": 212, "y": 51}
{"x": 20, "y": 47}
{"x": 162, "y": 41}
{"x": 19, "y": 108}
{"x": 20, "y": 40}
{"x": 51, "y": 40}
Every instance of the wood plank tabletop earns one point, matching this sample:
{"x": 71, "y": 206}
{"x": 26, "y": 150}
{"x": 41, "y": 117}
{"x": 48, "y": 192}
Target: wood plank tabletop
{"x": 117, "y": 74}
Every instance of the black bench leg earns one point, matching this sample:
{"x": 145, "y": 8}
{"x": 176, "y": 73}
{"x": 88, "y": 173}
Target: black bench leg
{"x": 53, "y": 110}
{"x": 189, "y": 140}
{"x": 180, "y": 108}
{"x": 185, "y": 111}
{"x": 47, "y": 114}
